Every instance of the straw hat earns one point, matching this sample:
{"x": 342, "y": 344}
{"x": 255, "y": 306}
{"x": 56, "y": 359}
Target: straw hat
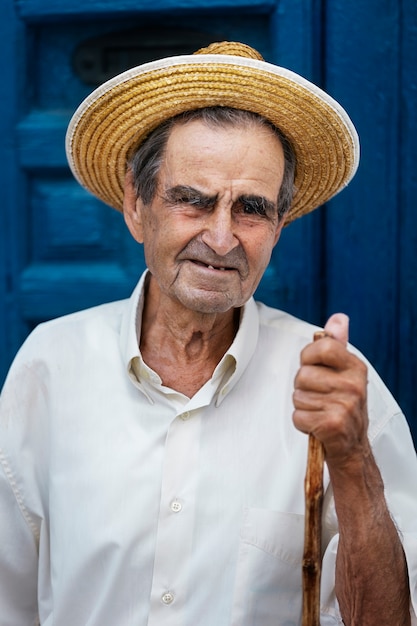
{"x": 109, "y": 125}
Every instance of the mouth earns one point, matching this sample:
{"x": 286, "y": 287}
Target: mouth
{"x": 219, "y": 268}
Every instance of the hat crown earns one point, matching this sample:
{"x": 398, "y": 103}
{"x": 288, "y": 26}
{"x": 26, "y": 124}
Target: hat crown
{"x": 118, "y": 116}
{"x": 234, "y": 48}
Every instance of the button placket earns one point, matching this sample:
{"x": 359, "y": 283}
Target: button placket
{"x": 173, "y": 547}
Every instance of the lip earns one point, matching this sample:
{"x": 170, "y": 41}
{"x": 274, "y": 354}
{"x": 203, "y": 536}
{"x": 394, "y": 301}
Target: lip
{"x": 213, "y": 267}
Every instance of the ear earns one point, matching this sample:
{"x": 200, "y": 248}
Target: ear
{"x": 132, "y": 208}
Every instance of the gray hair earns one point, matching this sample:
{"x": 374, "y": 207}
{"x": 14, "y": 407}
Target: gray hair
{"x": 147, "y": 160}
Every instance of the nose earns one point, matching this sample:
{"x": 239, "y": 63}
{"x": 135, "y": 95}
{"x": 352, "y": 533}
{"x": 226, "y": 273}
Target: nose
{"x": 219, "y": 232}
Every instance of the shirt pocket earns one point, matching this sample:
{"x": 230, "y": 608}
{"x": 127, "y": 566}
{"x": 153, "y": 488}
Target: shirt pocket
{"x": 269, "y": 570}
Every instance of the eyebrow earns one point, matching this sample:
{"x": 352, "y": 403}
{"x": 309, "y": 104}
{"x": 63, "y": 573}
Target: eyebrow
{"x": 197, "y": 197}
{"x": 190, "y": 195}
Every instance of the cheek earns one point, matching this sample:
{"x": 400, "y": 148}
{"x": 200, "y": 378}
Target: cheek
{"x": 157, "y": 237}
{"x": 162, "y": 241}
{"x": 259, "y": 251}
{"x": 151, "y": 226}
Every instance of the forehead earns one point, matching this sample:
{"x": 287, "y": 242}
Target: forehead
{"x": 247, "y": 154}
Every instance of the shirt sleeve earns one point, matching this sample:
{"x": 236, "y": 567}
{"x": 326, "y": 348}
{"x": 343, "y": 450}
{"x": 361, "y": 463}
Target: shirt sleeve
{"x": 18, "y": 558}
{"x": 394, "y": 452}
{"x": 22, "y": 402}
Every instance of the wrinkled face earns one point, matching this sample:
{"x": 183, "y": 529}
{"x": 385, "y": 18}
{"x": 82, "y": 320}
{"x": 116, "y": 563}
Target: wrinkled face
{"x": 210, "y": 230}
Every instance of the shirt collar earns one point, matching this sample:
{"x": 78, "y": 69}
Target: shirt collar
{"x": 241, "y": 351}
{"x": 227, "y": 372}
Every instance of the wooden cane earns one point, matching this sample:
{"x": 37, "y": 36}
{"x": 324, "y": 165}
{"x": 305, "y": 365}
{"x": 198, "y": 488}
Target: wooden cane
{"x": 313, "y": 487}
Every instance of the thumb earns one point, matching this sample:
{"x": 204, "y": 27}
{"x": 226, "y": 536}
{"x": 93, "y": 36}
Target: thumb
{"x": 338, "y": 327}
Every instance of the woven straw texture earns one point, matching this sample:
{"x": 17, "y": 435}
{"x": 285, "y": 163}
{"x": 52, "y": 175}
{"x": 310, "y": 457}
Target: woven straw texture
{"x": 110, "y": 124}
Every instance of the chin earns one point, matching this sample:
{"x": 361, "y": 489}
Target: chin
{"x": 210, "y": 303}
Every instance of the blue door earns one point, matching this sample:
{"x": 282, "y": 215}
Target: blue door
{"x": 61, "y": 250}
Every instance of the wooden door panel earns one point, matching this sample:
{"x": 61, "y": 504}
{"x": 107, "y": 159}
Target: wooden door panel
{"x": 62, "y": 250}
{"x": 77, "y": 252}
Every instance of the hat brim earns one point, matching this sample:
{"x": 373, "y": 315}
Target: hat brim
{"x": 115, "y": 119}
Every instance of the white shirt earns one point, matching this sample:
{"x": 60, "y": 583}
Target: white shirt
{"x": 125, "y": 503}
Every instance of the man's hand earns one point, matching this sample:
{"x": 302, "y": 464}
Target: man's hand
{"x": 330, "y": 394}
{"x": 330, "y": 402}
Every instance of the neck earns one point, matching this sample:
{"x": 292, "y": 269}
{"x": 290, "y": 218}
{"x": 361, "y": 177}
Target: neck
{"x": 183, "y": 346}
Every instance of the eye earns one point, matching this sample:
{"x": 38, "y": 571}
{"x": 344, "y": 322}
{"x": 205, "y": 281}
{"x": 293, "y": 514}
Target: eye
{"x": 256, "y": 205}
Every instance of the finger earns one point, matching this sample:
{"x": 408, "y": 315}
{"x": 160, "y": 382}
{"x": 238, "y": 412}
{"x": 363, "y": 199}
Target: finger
{"x": 313, "y": 378}
{"x": 338, "y": 327}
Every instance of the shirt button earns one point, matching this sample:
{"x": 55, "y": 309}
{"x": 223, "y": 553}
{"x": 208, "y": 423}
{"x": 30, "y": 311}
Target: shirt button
{"x": 185, "y": 416}
{"x": 176, "y": 506}
{"x": 168, "y": 597}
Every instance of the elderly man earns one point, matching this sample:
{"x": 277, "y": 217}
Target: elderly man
{"x": 153, "y": 450}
